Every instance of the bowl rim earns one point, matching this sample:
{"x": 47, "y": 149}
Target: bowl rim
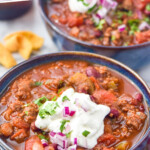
{"x": 87, "y": 44}
{"x": 100, "y": 57}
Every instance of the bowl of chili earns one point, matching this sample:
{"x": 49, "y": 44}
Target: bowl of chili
{"x": 117, "y": 34}
{"x": 26, "y": 90}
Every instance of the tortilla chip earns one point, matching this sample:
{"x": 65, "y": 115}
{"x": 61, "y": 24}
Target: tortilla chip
{"x": 25, "y": 48}
{"x": 6, "y": 59}
{"x": 37, "y": 42}
{"x": 12, "y": 44}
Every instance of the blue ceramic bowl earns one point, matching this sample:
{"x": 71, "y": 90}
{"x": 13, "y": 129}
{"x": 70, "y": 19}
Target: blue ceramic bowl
{"x": 135, "y": 79}
{"x": 134, "y": 56}
{"x": 10, "y": 10}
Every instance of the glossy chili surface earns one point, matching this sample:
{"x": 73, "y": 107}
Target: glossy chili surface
{"x": 124, "y": 126}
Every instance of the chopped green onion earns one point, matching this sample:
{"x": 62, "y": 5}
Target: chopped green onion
{"x": 147, "y": 19}
{"x": 101, "y": 23}
{"x": 26, "y": 105}
{"x": 42, "y": 137}
{"x": 68, "y": 135}
{"x": 54, "y": 98}
{"x": 49, "y": 109}
{"x": 85, "y": 133}
{"x": 85, "y": 4}
{"x": 37, "y": 83}
{"x": 148, "y": 7}
{"x": 59, "y": 90}
{"x": 26, "y": 112}
{"x": 113, "y": 38}
{"x": 91, "y": 9}
{"x": 134, "y": 25}
{"x": 63, "y": 122}
{"x": 65, "y": 98}
{"x": 41, "y": 100}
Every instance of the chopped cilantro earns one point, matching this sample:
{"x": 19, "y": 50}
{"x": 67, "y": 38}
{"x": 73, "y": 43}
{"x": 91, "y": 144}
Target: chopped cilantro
{"x": 101, "y": 23}
{"x": 41, "y": 100}
{"x": 26, "y": 105}
{"x": 49, "y": 109}
{"x": 113, "y": 38}
{"x": 148, "y": 7}
{"x": 68, "y": 134}
{"x": 37, "y": 83}
{"x": 85, "y": 133}
{"x": 147, "y": 19}
{"x": 54, "y": 98}
{"x": 65, "y": 98}
{"x": 26, "y": 112}
{"x": 59, "y": 90}
{"x": 120, "y": 21}
{"x": 63, "y": 122}
{"x": 42, "y": 137}
{"x": 120, "y": 14}
{"x": 134, "y": 24}
{"x": 91, "y": 9}
{"x": 85, "y": 4}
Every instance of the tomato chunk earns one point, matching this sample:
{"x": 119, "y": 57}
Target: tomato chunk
{"x": 33, "y": 143}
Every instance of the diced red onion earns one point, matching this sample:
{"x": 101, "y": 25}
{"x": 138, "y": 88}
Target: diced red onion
{"x": 73, "y": 147}
{"x": 72, "y": 113}
{"x": 75, "y": 141}
{"x": 44, "y": 142}
{"x": 52, "y": 133}
{"x": 59, "y": 148}
{"x": 109, "y": 4}
{"x": 61, "y": 134}
{"x": 108, "y": 20}
{"x": 144, "y": 25}
{"x": 101, "y": 13}
{"x": 66, "y": 111}
{"x": 122, "y": 27}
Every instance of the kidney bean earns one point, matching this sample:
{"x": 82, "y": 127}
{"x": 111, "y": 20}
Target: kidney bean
{"x": 115, "y": 112}
{"x": 138, "y": 97}
{"x": 98, "y": 33}
{"x": 91, "y": 71}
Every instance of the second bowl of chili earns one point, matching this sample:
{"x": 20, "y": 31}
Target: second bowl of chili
{"x": 122, "y": 39}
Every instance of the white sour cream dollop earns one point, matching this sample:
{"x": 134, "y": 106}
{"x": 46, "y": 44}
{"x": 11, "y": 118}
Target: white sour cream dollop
{"x": 79, "y": 6}
{"x": 88, "y": 117}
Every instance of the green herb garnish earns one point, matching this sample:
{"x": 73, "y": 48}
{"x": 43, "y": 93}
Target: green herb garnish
{"x": 63, "y": 122}
{"x": 42, "y": 137}
{"x": 54, "y": 98}
{"x": 147, "y": 19}
{"x": 41, "y": 100}
{"x": 113, "y": 38}
{"x": 85, "y": 133}
{"x": 26, "y": 105}
{"x": 26, "y": 112}
{"x": 68, "y": 135}
{"x": 92, "y": 9}
{"x": 37, "y": 83}
{"x": 65, "y": 98}
{"x": 85, "y": 4}
{"x": 49, "y": 109}
{"x": 134, "y": 25}
{"x": 101, "y": 23}
{"x": 148, "y": 7}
